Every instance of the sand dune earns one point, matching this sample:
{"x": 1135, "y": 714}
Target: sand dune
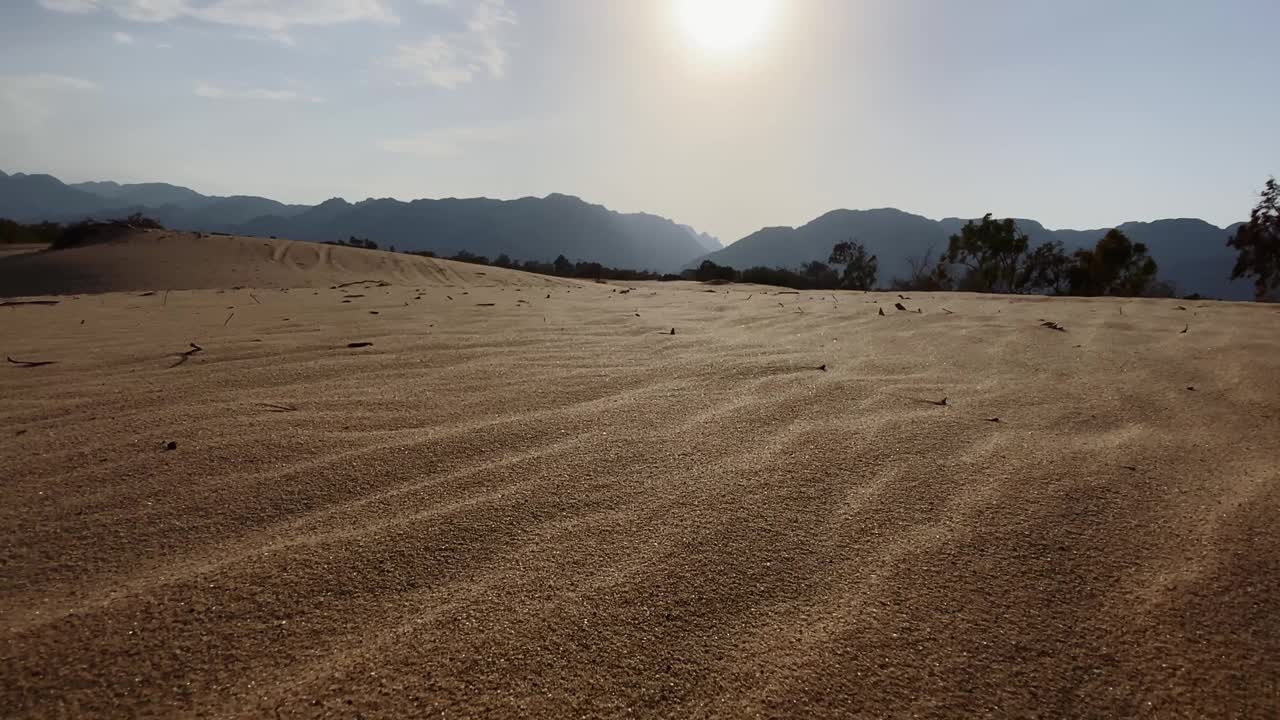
{"x": 169, "y": 260}
{"x": 519, "y": 505}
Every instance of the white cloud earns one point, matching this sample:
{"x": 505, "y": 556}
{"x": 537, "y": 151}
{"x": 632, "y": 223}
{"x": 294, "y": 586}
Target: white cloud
{"x": 272, "y": 16}
{"x": 450, "y": 60}
{"x": 122, "y": 38}
{"x": 27, "y": 101}
{"x": 278, "y": 37}
{"x": 71, "y": 6}
{"x": 214, "y": 92}
{"x": 446, "y": 142}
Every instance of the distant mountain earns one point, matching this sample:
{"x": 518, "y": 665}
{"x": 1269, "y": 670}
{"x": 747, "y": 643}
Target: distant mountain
{"x": 1192, "y": 254}
{"x": 525, "y": 229}
{"x": 144, "y": 194}
{"x": 31, "y": 198}
{"x": 709, "y": 243}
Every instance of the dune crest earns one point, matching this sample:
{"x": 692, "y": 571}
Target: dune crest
{"x": 169, "y": 260}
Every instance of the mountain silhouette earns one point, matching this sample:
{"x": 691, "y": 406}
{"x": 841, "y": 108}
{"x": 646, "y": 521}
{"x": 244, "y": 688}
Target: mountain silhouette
{"x": 525, "y": 229}
{"x": 1191, "y": 253}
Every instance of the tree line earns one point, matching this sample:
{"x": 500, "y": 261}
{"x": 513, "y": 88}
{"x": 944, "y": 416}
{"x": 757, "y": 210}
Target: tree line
{"x": 995, "y": 256}
{"x": 987, "y": 255}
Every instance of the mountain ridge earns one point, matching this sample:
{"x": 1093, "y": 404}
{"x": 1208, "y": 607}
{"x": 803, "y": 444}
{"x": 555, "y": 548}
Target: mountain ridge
{"x": 1191, "y": 252}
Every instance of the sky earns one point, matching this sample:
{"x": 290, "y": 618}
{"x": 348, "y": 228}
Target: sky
{"x": 728, "y": 115}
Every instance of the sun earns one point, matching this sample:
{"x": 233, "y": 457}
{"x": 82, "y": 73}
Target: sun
{"x": 721, "y": 26}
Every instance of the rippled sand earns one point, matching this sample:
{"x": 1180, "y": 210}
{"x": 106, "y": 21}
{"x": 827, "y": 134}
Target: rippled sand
{"x": 552, "y": 506}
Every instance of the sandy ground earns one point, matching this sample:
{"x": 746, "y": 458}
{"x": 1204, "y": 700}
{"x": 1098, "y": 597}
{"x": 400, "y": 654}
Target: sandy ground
{"x": 528, "y": 498}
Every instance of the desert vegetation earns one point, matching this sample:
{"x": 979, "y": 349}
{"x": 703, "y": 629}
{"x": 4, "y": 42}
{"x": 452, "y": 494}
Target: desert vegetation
{"x": 1257, "y": 244}
{"x": 58, "y": 236}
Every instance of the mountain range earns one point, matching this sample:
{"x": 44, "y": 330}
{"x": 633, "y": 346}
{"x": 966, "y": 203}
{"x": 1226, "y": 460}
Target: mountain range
{"x": 1191, "y": 253}
{"x": 525, "y": 229}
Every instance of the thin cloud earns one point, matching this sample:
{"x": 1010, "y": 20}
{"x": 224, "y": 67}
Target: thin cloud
{"x": 122, "y": 38}
{"x": 78, "y": 7}
{"x": 271, "y": 16}
{"x": 447, "y": 142}
{"x": 27, "y": 101}
{"x": 215, "y": 92}
{"x": 450, "y": 60}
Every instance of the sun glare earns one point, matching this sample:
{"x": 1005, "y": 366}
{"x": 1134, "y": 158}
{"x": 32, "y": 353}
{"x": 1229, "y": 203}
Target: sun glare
{"x": 723, "y": 25}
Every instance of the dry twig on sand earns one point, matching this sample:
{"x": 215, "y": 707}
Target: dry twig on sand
{"x": 359, "y": 344}
{"x": 30, "y": 363}
{"x": 1053, "y": 326}
{"x": 186, "y": 354}
{"x": 277, "y": 407}
{"x": 7, "y": 303}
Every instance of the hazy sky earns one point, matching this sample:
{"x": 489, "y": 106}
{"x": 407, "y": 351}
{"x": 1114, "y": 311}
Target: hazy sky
{"x": 1079, "y": 113}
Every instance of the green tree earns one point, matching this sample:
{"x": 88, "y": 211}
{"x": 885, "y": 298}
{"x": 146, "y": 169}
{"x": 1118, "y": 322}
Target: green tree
{"x": 1047, "y": 269}
{"x": 993, "y": 253}
{"x": 860, "y": 269}
{"x": 562, "y": 265}
{"x": 708, "y": 270}
{"x": 820, "y": 275}
{"x": 1115, "y": 266}
{"x": 1257, "y": 244}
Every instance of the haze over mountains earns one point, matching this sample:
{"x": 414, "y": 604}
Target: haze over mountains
{"x": 1191, "y": 253}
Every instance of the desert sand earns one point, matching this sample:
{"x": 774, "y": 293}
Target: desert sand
{"x": 527, "y": 497}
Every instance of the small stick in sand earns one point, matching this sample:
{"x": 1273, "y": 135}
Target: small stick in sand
{"x": 822, "y": 367}
{"x": 359, "y": 344}
{"x": 1185, "y": 329}
{"x": 224, "y": 322}
{"x": 165, "y": 299}
{"x": 28, "y": 302}
{"x": 277, "y": 407}
{"x": 186, "y": 354}
{"x": 1053, "y": 326}
{"x": 148, "y": 293}
{"x": 992, "y": 419}
{"x": 947, "y": 311}
{"x": 485, "y": 304}
{"x": 939, "y": 403}
{"x": 30, "y": 363}
{"x": 255, "y": 298}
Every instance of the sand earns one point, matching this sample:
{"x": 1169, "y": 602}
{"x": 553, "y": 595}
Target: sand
{"x": 519, "y": 505}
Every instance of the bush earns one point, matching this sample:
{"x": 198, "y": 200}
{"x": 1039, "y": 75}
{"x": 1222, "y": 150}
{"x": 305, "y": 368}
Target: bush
{"x": 710, "y": 271}
{"x": 1257, "y": 244}
{"x": 860, "y": 269}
